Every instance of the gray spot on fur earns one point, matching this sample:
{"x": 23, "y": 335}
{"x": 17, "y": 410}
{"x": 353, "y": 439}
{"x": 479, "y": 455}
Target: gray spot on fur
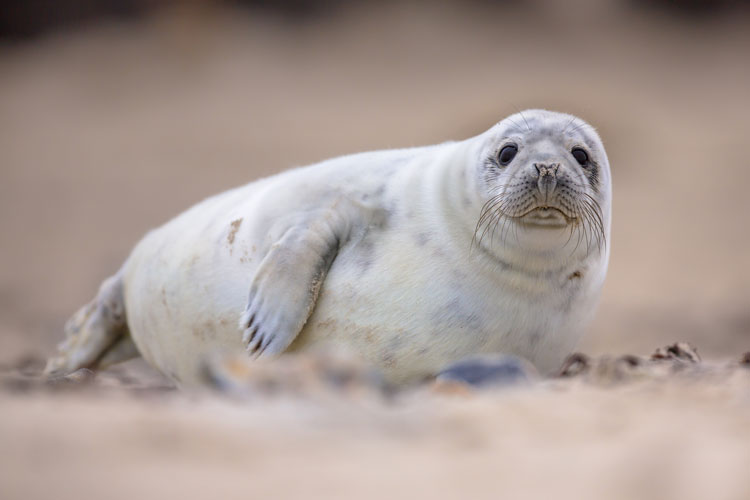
{"x": 455, "y": 314}
{"x": 364, "y": 255}
{"x": 458, "y": 277}
{"x": 534, "y": 339}
{"x": 422, "y": 239}
{"x": 395, "y": 343}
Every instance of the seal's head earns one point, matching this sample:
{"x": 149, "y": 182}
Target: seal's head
{"x": 545, "y": 178}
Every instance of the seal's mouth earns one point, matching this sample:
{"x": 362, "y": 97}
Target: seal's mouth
{"x": 546, "y": 217}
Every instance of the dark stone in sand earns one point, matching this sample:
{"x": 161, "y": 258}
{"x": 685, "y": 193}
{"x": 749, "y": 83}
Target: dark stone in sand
{"x": 679, "y": 351}
{"x": 489, "y": 371}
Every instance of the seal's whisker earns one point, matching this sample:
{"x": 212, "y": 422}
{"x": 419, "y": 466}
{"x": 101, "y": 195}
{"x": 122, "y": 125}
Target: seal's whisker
{"x": 501, "y": 215}
{"x": 491, "y": 211}
{"x": 586, "y": 229}
{"x": 572, "y": 119}
{"x": 478, "y": 241}
{"x": 496, "y": 206}
{"x": 515, "y": 123}
{"x": 592, "y": 229}
{"x": 596, "y": 207}
{"x": 571, "y": 228}
{"x": 580, "y": 126}
{"x": 494, "y": 228}
{"x": 601, "y": 240}
{"x": 492, "y": 222}
{"x": 515, "y": 232}
{"x": 581, "y": 228}
{"x": 524, "y": 120}
{"x": 598, "y": 219}
{"x": 485, "y": 215}
{"x": 506, "y": 223}
{"x": 597, "y": 225}
{"x": 589, "y": 230}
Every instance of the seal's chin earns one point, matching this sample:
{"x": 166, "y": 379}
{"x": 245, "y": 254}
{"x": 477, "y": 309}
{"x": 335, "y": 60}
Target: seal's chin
{"x": 545, "y": 218}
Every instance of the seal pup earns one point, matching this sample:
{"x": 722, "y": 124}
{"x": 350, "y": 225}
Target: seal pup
{"x": 412, "y": 259}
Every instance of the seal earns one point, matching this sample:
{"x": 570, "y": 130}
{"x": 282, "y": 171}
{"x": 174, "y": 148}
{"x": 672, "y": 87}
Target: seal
{"x": 412, "y": 258}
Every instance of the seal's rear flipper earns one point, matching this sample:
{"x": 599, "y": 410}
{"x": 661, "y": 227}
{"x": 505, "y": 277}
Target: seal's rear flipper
{"x": 97, "y": 335}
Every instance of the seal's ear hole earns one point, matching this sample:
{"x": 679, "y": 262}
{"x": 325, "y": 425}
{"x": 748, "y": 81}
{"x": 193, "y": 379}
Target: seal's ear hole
{"x": 580, "y": 155}
{"x": 507, "y": 154}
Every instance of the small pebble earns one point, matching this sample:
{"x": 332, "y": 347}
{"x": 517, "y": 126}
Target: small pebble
{"x": 489, "y": 371}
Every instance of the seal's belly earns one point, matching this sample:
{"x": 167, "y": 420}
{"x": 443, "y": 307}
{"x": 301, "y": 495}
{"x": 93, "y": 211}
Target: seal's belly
{"x": 411, "y": 315}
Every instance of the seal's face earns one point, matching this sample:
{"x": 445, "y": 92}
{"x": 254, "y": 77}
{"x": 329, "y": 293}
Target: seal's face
{"x": 543, "y": 172}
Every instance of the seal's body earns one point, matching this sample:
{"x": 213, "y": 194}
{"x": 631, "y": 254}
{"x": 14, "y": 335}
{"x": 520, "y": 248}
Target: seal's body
{"x": 411, "y": 258}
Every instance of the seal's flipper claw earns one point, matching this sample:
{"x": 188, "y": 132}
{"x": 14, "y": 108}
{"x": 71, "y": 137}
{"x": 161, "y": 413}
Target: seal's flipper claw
{"x": 249, "y": 330}
{"x": 96, "y": 335}
{"x": 266, "y": 343}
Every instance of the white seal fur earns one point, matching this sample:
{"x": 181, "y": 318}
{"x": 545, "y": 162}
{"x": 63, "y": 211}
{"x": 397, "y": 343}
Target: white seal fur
{"x": 411, "y": 258}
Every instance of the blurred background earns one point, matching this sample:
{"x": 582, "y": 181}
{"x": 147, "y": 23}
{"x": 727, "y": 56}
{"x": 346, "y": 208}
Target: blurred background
{"x": 115, "y": 115}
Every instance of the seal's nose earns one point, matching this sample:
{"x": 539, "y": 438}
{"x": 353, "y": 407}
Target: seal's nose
{"x": 547, "y": 180}
{"x": 544, "y": 170}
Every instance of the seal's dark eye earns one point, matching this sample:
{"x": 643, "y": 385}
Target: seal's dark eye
{"x": 507, "y": 154}
{"x": 580, "y": 155}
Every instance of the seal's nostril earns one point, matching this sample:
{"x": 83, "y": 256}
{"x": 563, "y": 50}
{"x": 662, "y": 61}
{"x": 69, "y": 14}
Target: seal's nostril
{"x": 544, "y": 170}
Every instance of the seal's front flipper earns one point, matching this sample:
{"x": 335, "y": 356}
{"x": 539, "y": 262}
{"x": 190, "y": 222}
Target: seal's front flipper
{"x": 286, "y": 285}
{"x": 96, "y": 335}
